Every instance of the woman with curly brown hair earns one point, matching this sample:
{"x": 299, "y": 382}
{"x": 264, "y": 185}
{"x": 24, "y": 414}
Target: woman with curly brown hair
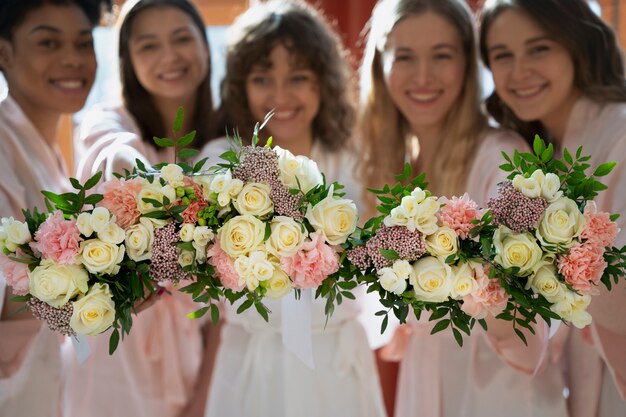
{"x": 283, "y": 57}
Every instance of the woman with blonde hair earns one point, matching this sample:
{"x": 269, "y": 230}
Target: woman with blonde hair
{"x": 421, "y": 103}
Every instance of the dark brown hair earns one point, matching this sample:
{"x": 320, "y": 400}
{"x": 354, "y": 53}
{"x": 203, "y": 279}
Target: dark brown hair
{"x": 310, "y": 40}
{"x": 139, "y": 101}
{"x": 598, "y": 65}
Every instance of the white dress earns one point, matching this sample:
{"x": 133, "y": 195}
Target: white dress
{"x": 30, "y": 359}
{"x": 254, "y": 374}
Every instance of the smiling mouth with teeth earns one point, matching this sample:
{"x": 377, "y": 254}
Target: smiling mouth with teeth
{"x": 69, "y": 84}
{"x": 528, "y": 92}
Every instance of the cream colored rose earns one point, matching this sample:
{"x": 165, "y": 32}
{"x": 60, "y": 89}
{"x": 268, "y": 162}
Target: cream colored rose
{"x": 152, "y": 191}
{"x": 516, "y": 250}
{"x": 279, "y": 285}
{"x": 94, "y": 312}
{"x": 17, "y": 233}
{"x": 101, "y": 257}
{"x": 545, "y": 282}
{"x": 530, "y": 187}
{"x": 296, "y": 170}
{"x": 56, "y": 284}
{"x": 202, "y": 235}
{"x": 220, "y": 181}
{"x": 550, "y": 187}
{"x": 336, "y": 217}
{"x": 254, "y": 269}
{"x": 426, "y": 217}
{"x": 139, "y": 239}
{"x": 561, "y": 223}
{"x": 403, "y": 269}
{"x": 286, "y": 238}
{"x": 112, "y": 233}
{"x": 432, "y": 280}
{"x": 83, "y": 222}
{"x": 100, "y": 218}
{"x": 186, "y": 232}
{"x": 241, "y": 234}
{"x": 173, "y": 174}
{"x": 464, "y": 280}
{"x": 443, "y": 243}
{"x": 391, "y": 282}
{"x": 254, "y": 199}
{"x": 186, "y": 257}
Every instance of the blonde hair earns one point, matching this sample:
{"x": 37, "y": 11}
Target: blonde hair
{"x": 385, "y": 130}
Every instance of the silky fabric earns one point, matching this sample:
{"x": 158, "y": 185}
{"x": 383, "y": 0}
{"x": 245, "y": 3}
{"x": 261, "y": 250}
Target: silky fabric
{"x": 154, "y": 369}
{"x": 596, "y": 360}
{"x": 30, "y": 360}
{"x": 490, "y": 376}
{"x": 254, "y": 374}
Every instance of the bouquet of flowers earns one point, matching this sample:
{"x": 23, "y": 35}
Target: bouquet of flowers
{"x": 545, "y": 240}
{"x": 419, "y": 254}
{"x": 278, "y": 227}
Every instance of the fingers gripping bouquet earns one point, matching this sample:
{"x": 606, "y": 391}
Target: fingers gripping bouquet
{"x": 279, "y": 227}
{"x": 548, "y": 245}
{"x": 419, "y": 254}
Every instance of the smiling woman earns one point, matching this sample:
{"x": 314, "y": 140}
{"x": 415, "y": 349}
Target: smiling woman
{"x": 47, "y": 59}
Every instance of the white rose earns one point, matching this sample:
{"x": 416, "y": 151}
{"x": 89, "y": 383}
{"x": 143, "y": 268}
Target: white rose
{"x": 101, "y": 257}
{"x": 204, "y": 181}
{"x": 112, "y": 233}
{"x": 94, "y": 312}
{"x": 254, "y": 199}
{"x": 336, "y": 217}
{"x": 402, "y": 268}
{"x": 426, "y": 217}
{"x": 432, "y": 279}
{"x": 286, "y": 237}
{"x": 186, "y": 232}
{"x": 561, "y": 223}
{"x": 17, "y": 233}
{"x": 442, "y": 243}
{"x": 262, "y": 268}
{"x": 220, "y": 181}
{"x": 298, "y": 169}
{"x": 254, "y": 269}
{"x": 545, "y": 282}
{"x": 173, "y": 174}
{"x": 185, "y": 258}
{"x": 56, "y": 284}
{"x": 139, "y": 239}
{"x": 279, "y": 285}
{"x": 516, "y": 250}
{"x": 550, "y": 187}
{"x": 99, "y": 219}
{"x": 234, "y": 187}
{"x": 200, "y": 252}
{"x": 528, "y": 186}
{"x": 398, "y": 217}
{"x": 241, "y": 234}
{"x": 170, "y": 192}
{"x": 464, "y": 280}
{"x": 83, "y": 222}
{"x": 223, "y": 199}
{"x": 152, "y": 191}
{"x": 202, "y": 235}
{"x": 391, "y": 282}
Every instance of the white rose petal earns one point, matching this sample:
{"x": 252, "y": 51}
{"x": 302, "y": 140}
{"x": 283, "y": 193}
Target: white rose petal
{"x": 516, "y": 250}
{"x": 185, "y": 258}
{"x": 100, "y": 218}
{"x": 112, "y": 233}
{"x": 17, "y": 233}
{"x": 296, "y": 170}
{"x": 94, "y": 312}
{"x": 186, "y": 232}
{"x": 432, "y": 279}
{"x": 173, "y": 174}
{"x": 286, "y": 237}
{"x": 202, "y": 235}
{"x": 391, "y": 282}
{"x": 279, "y": 285}
{"x": 336, "y": 217}
{"x": 241, "y": 234}
{"x": 101, "y": 257}
{"x": 528, "y": 186}
{"x": 545, "y": 282}
{"x": 464, "y": 281}
{"x": 56, "y": 284}
{"x": 83, "y": 222}
{"x": 561, "y": 223}
{"x": 139, "y": 239}
{"x": 443, "y": 243}
{"x": 254, "y": 199}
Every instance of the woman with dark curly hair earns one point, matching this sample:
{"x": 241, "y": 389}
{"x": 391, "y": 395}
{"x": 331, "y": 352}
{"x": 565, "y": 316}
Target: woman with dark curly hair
{"x": 558, "y": 71}
{"x": 284, "y": 57}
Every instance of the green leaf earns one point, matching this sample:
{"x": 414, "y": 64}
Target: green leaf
{"x": 442, "y": 325}
{"x": 198, "y": 313}
{"x": 215, "y": 314}
{"x": 538, "y": 145}
{"x": 383, "y": 325}
{"x": 94, "y": 199}
{"x": 178, "y": 121}
{"x": 458, "y": 336}
{"x": 76, "y": 184}
{"x": 262, "y": 310}
{"x": 114, "y": 340}
{"x": 198, "y": 166}
{"x": 187, "y": 139}
{"x": 244, "y": 306}
{"x": 521, "y": 335}
{"x": 91, "y": 182}
{"x": 158, "y": 214}
{"x": 567, "y": 156}
{"x": 604, "y": 169}
{"x": 389, "y": 254}
{"x": 140, "y": 165}
{"x": 187, "y": 153}
{"x": 598, "y": 186}
{"x": 163, "y": 142}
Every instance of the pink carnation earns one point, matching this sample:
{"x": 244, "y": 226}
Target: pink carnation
{"x": 190, "y": 215}
{"x": 312, "y": 263}
{"x": 458, "y": 213}
{"x": 224, "y": 267}
{"x": 120, "y": 198}
{"x": 599, "y": 229}
{"x": 489, "y": 297}
{"x": 583, "y": 266}
{"x": 57, "y": 239}
{"x": 15, "y": 273}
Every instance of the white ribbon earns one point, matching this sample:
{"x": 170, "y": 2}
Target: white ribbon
{"x": 296, "y": 326}
{"x": 81, "y": 348}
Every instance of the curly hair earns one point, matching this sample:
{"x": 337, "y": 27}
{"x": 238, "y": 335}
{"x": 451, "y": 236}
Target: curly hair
{"x": 598, "y": 65}
{"x": 312, "y": 42}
